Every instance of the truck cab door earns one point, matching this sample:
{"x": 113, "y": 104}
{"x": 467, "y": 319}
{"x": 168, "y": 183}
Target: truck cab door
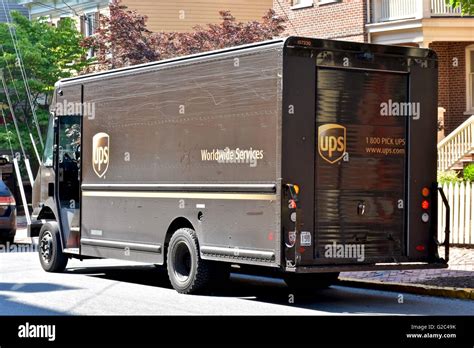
{"x": 68, "y": 174}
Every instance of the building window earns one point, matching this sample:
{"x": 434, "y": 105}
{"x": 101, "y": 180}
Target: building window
{"x": 470, "y": 78}
{"x": 295, "y": 4}
{"x": 89, "y": 25}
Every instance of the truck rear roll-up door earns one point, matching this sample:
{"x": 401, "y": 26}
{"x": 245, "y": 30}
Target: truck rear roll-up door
{"x": 360, "y": 164}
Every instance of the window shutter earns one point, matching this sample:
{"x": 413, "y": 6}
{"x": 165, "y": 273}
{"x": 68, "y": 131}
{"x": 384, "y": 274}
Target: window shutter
{"x": 83, "y": 25}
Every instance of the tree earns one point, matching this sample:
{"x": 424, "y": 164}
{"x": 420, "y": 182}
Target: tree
{"x": 48, "y": 54}
{"x": 228, "y": 33}
{"x": 467, "y": 6}
{"x": 123, "y": 38}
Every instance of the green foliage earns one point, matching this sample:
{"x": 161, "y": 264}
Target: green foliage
{"x": 468, "y": 173}
{"x": 49, "y": 53}
{"x": 447, "y": 177}
{"x": 467, "y": 6}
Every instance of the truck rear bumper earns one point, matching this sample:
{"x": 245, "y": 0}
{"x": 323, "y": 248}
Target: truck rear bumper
{"x": 368, "y": 267}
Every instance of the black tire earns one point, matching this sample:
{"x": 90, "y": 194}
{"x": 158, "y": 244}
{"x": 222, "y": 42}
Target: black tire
{"x": 188, "y": 273}
{"x": 50, "y": 249}
{"x": 310, "y": 282}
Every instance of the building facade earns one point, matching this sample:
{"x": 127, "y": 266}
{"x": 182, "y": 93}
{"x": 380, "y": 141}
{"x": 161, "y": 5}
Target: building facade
{"x": 178, "y": 15}
{"x": 8, "y": 6}
{"x": 86, "y": 13}
{"x": 421, "y": 23}
{"x": 183, "y": 15}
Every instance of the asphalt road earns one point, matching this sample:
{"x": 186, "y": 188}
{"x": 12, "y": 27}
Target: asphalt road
{"x": 109, "y": 287}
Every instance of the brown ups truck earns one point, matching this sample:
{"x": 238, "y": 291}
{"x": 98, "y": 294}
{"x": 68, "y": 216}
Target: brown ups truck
{"x": 300, "y": 157}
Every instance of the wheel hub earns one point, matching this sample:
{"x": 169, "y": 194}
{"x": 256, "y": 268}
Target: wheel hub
{"x": 182, "y": 262}
{"x": 46, "y": 246}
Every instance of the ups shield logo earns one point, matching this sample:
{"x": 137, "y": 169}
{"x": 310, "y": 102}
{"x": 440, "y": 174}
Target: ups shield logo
{"x": 331, "y": 142}
{"x": 100, "y": 153}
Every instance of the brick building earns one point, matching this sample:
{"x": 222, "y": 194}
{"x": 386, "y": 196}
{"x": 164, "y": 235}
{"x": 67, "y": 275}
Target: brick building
{"x": 421, "y": 23}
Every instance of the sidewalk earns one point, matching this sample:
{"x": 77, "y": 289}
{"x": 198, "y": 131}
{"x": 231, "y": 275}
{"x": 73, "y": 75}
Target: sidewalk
{"x": 459, "y": 274}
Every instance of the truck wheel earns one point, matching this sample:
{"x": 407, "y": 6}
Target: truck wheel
{"x": 308, "y": 282}
{"x": 50, "y": 250}
{"x": 188, "y": 273}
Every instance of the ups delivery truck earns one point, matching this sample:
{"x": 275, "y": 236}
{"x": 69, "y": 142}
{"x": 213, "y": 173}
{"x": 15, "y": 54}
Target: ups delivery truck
{"x": 302, "y": 157}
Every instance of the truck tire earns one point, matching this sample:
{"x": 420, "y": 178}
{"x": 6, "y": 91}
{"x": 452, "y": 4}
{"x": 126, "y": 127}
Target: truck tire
{"x": 309, "y": 282}
{"x": 188, "y": 273}
{"x": 50, "y": 249}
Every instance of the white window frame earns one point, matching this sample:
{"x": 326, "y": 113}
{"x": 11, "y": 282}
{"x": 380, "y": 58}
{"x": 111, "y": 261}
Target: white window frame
{"x": 93, "y": 11}
{"x": 324, "y": 2}
{"x": 302, "y": 4}
{"x": 469, "y": 79}
{"x": 86, "y": 14}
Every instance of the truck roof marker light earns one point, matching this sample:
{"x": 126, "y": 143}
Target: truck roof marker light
{"x": 425, "y": 191}
{"x": 425, "y": 204}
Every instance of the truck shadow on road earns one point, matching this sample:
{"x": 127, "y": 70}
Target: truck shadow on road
{"x": 10, "y": 306}
{"x": 336, "y": 299}
{"x": 34, "y": 287}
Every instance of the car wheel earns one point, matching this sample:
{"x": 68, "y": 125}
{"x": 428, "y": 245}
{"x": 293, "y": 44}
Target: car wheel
{"x": 188, "y": 273}
{"x": 50, "y": 249}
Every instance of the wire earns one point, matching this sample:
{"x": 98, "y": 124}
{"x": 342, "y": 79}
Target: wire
{"x": 7, "y": 132}
{"x": 19, "y": 100}
{"x": 51, "y": 7}
{"x": 73, "y": 11}
{"x": 22, "y": 70}
{"x": 25, "y": 158}
{"x": 5, "y": 88}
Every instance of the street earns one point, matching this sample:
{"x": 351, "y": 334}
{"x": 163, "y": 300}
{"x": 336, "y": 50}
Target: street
{"x": 109, "y": 287}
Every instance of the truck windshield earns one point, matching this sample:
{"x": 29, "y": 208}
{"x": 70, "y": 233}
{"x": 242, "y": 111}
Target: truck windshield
{"x": 48, "y": 148}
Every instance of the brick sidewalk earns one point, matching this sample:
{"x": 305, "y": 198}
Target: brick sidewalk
{"x": 461, "y": 264}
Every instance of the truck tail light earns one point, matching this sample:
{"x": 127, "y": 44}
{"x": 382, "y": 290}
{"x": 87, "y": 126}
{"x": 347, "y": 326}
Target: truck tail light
{"x": 420, "y": 248}
{"x": 425, "y": 192}
{"x": 425, "y": 204}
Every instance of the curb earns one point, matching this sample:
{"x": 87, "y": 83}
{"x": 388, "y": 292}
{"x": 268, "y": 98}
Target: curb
{"x": 418, "y": 289}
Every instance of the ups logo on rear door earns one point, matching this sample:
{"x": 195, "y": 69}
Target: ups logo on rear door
{"x": 331, "y": 142}
{"x": 100, "y": 153}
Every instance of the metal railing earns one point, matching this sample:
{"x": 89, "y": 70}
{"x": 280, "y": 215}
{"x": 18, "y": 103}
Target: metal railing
{"x": 440, "y": 8}
{"x": 457, "y": 145}
{"x": 393, "y": 10}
